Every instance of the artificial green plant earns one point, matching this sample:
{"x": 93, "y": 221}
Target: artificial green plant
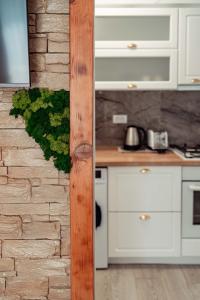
{"x": 46, "y": 115}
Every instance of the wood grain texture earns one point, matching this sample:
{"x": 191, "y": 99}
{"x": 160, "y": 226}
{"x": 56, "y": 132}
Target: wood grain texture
{"x": 81, "y": 145}
{"x": 106, "y": 156}
{"x": 148, "y": 282}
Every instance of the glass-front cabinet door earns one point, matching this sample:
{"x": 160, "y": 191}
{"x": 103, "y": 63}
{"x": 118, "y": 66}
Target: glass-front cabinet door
{"x": 136, "y": 28}
{"x": 143, "y": 2}
{"x": 125, "y": 2}
{"x": 145, "y": 69}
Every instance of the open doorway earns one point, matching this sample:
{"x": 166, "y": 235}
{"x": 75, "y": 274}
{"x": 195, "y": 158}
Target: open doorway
{"x": 147, "y": 179}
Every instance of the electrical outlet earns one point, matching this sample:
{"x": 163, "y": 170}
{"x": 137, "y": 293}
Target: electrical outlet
{"x": 120, "y": 119}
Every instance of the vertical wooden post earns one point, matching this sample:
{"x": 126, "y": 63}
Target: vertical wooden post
{"x": 81, "y": 179}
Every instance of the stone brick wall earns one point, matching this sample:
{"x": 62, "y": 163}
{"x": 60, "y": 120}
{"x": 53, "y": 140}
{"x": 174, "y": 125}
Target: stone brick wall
{"x": 34, "y": 210}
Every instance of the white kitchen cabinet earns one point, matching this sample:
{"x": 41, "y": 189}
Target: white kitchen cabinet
{"x": 140, "y": 189}
{"x": 189, "y": 46}
{"x": 124, "y": 2}
{"x": 136, "y": 28}
{"x": 143, "y": 2}
{"x": 141, "y": 69}
{"x": 144, "y": 211}
{"x": 131, "y": 235}
{"x": 190, "y": 2}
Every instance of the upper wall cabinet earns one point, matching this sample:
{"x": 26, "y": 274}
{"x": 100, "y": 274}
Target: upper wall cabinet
{"x": 139, "y": 69}
{"x": 173, "y": 1}
{"x": 124, "y": 2}
{"x": 143, "y": 2}
{"x": 136, "y": 28}
{"x": 189, "y": 46}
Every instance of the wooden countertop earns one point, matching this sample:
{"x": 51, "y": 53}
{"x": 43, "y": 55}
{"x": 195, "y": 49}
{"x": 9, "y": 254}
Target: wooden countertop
{"x": 110, "y": 156}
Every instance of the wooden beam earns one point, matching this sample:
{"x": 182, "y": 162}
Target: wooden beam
{"x": 81, "y": 146}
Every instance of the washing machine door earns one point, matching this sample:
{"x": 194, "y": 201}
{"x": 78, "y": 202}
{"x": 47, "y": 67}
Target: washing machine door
{"x": 98, "y": 215}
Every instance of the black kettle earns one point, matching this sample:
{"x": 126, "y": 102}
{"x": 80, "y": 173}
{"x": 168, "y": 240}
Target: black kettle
{"x": 135, "y": 138}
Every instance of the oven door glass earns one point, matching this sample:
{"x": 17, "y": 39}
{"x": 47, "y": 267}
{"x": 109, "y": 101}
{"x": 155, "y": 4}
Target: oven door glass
{"x": 191, "y": 210}
{"x": 196, "y": 208}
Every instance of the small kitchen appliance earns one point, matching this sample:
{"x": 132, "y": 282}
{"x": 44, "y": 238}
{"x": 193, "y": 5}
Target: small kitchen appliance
{"x": 157, "y": 140}
{"x": 135, "y": 138}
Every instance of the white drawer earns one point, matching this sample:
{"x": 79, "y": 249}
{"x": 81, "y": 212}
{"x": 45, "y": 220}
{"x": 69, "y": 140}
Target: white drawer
{"x": 131, "y": 236}
{"x": 144, "y": 189}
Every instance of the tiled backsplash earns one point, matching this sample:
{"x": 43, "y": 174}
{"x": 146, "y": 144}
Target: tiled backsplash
{"x": 174, "y": 111}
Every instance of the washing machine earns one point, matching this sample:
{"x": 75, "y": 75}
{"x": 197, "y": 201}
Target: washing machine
{"x": 101, "y": 218}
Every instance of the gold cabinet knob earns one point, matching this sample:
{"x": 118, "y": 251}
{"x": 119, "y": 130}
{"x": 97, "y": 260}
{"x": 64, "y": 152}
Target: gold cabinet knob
{"x": 145, "y": 171}
{"x": 132, "y": 46}
{"x": 132, "y": 86}
{"x": 145, "y": 217}
{"x": 196, "y": 80}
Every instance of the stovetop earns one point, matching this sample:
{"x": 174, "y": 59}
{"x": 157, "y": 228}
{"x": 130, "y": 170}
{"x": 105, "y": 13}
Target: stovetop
{"x": 187, "y": 152}
{"x": 184, "y": 151}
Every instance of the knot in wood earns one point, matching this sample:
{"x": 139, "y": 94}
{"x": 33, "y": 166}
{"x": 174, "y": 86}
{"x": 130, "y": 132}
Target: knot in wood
{"x": 82, "y": 69}
{"x": 83, "y": 151}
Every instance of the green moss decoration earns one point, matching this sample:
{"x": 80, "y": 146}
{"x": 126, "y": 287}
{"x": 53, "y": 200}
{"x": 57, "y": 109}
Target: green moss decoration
{"x": 46, "y": 115}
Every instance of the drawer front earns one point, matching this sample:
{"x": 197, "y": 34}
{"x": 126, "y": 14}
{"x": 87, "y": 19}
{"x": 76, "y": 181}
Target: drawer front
{"x": 144, "y": 235}
{"x": 144, "y": 189}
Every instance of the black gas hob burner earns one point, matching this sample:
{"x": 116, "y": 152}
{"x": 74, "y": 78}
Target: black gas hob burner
{"x": 189, "y": 152}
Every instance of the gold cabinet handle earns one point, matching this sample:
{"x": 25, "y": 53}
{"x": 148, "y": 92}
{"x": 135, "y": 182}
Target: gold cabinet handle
{"x": 132, "y": 86}
{"x": 196, "y": 80}
{"x": 132, "y": 46}
{"x": 145, "y": 217}
{"x": 145, "y": 171}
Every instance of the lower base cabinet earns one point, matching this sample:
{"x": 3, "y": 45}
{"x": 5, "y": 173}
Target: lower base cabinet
{"x": 154, "y": 234}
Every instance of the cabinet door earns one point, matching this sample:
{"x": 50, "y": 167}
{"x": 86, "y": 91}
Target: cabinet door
{"x": 144, "y": 189}
{"x": 189, "y": 46}
{"x": 132, "y": 28}
{"x": 124, "y": 2}
{"x": 143, "y": 2}
{"x": 177, "y": 2}
{"x": 131, "y": 235}
{"x": 143, "y": 69}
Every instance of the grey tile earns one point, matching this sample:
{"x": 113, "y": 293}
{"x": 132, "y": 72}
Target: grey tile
{"x": 176, "y": 112}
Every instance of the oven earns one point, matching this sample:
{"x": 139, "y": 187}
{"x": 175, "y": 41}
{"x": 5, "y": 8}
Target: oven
{"x": 191, "y": 203}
